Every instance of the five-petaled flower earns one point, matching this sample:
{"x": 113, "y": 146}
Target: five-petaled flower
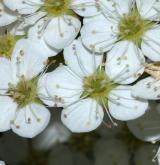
{"x": 120, "y": 23}
{"x": 85, "y": 89}
{"x": 21, "y": 81}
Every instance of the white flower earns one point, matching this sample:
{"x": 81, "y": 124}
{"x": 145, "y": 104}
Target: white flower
{"x": 112, "y": 151}
{"x": 144, "y": 155}
{"x": 121, "y": 23}
{"x": 84, "y": 88}
{"x": 21, "y": 108}
{"x": 147, "y": 127}
{"x": 56, "y": 26}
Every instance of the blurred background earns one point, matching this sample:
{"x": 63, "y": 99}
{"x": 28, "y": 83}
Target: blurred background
{"x": 107, "y": 145}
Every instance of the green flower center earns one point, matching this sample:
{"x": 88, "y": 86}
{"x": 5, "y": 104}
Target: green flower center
{"x": 6, "y": 45}
{"x": 132, "y": 27}
{"x": 25, "y": 92}
{"x": 98, "y": 86}
{"x": 56, "y": 7}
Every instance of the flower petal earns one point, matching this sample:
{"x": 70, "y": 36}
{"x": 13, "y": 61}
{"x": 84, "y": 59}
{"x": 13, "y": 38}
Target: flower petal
{"x": 151, "y": 44}
{"x": 5, "y": 74}
{"x": 114, "y": 8}
{"x": 6, "y": 16}
{"x": 83, "y": 116}
{"x": 43, "y": 92}
{"x": 123, "y": 106}
{"x": 35, "y": 36}
{"x": 61, "y": 31}
{"x": 95, "y": 18}
{"x": 85, "y": 8}
{"x": 23, "y": 6}
{"x": 63, "y": 86}
{"x": 146, "y": 127}
{"x": 81, "y": 60}
{"x": 147, "y": 10}
{"x": 124, "y": 63}
{"x": 7, "y": 112}
{"x": 148, "y": 88}
{"x": 96, "y": 38}
{"x": 28, "y": 58}
{"x": 17, "y": 28}
{"x": 31, "y": 120}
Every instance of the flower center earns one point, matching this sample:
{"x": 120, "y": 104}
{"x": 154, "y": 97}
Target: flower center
{"x": 25, "y": 92}
{"x": 56, "y": 7}
{"x": 6, "y": 45}
{"x": 98, "y": 86}
{"x": 132, "y": 27}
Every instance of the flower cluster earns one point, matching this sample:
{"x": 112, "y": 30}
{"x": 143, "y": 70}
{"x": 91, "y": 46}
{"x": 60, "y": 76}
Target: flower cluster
{"x": 111, "y": 51}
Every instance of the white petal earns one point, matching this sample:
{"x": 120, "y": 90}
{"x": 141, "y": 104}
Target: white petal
{"x": 23, "y": 6}
{"x": 94, "y": 18}
{"x": 31, "y": 120}
{"x": 146, "y": 127}
{"x": 148, "y": 88}
{"x": 32, "y": 19}
{"x": 63, "y": 86}
{"x": 61, "y": 31}
{"x": 6, "y": 16}
{"x": 5, "y": 74}
{"x": 85, "y": 8}
{"x": 124, "y": 62}
{"x": 123, "y": 106}
{"x": 7, "y": 112}
{"x": 83, "y": 116}
{"x": 2, "y": 163}
{"x": 31, "y": 58}
{"x": 81, "y": 60}
{"x": 147, "y": 10}
{"x": 35, "y": 36}
{"x": 116, "y": 7}
{"x": 96, "y": 37}
{"x": 151, "y": 44}
{"x": 43, "y": 92}
{"x": 17, "y": 28}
